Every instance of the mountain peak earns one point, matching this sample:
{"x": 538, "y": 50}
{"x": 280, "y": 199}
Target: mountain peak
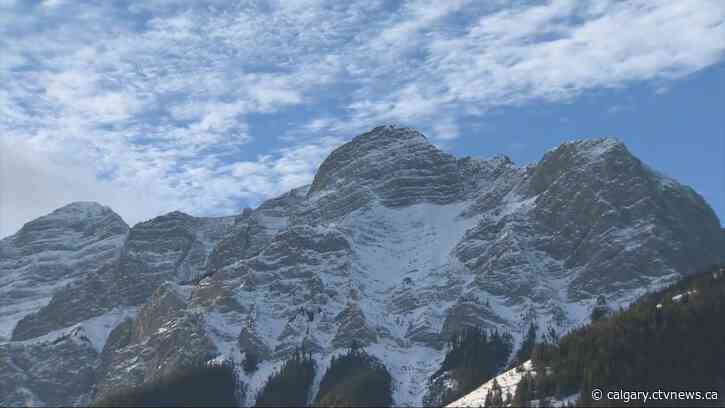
{"x": 91, "y": 217}
{"x": 396, "y": 132}
{"x": 608, "y": 141}
{"x": 74, "y": 215}
{"x": 589, "y": 149}
{"x": 583, "y": 153}
{"x": 397, "y": 165}
{"x": 83, "y": 209}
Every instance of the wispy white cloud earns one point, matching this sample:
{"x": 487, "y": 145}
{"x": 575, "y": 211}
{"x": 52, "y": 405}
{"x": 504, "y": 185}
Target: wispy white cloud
{"x": 446, "y": 129}
{"x": 557, "y": 50}
{"x": 161, "y": 99}
{"x": 288, "y": 168}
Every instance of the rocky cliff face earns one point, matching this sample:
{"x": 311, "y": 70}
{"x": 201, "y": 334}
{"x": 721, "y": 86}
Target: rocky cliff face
{"x": 395, "y": 245}
{"x": 173, "y": 247}
{"x": 57, "y": 371}
{"x": 393, "y": 167}
{"x": 69, "y": 245}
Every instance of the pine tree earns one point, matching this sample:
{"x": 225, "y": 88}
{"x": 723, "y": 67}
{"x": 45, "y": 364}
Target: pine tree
{"x": 601, "y": 309}
{"x": 527, "y": 346}
{"x": 496, "y": 400}
{"x": 522, "y": 394}
{"x": 250, "y": 362}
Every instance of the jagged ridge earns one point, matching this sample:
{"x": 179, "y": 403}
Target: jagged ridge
{"x": 396, "y": 244}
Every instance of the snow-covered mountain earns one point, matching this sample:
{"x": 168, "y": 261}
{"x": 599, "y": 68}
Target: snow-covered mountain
{"x": 71, "y": 244}
{"x": 395, "y": 244}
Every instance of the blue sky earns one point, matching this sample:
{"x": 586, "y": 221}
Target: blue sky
{"x": 211, "y": 106}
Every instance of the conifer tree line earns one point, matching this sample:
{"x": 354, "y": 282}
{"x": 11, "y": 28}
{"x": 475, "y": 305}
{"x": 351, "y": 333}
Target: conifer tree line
{"x": 524, "y": 392}
{"x": 198, "y": 385}
{"x": 495, "y": 397}
{"x": 355, "y": 379}
{"x": 662, "y": 341}
{"x": 290, "y": 386}
{"x": 474, "y": 356}
{"x": 526, "y": 347}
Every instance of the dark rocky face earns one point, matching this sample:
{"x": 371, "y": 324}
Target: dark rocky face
{"x": 617, "y": 219}
{"x": 396, "y": 245}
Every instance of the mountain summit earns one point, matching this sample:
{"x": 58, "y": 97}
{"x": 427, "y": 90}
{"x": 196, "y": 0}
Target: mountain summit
{"x": 50, "y": 252}
{"x": 393, "y": 166}
{"x": 395, "y": 246}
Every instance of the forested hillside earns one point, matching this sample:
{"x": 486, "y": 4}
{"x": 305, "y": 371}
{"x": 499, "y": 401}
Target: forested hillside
{"x": 201, "y": 385}
{"x": 474, "y": 356}
{"x": 670, "y": 340}
{"x": 290, "y": 386}
{"x": 355, "y": 379}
